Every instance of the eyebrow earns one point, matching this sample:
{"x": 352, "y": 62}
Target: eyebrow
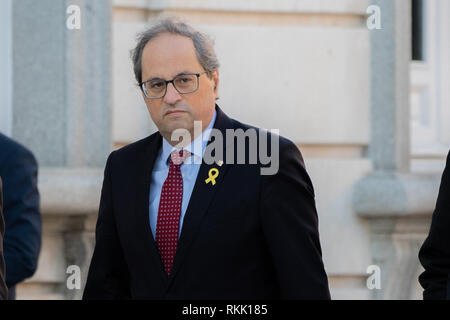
{"x": 178, "y": 74}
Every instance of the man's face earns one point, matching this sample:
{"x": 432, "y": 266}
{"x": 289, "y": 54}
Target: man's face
{"x": 165, "y": 57}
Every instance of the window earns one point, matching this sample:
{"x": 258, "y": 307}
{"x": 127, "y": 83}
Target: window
{"x": 418, "y": 47}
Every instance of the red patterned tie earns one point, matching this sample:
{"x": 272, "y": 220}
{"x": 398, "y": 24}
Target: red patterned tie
{"x": 170, "y": 209}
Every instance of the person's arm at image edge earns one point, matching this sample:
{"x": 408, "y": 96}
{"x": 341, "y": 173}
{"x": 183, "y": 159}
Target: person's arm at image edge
{"x": 3, "y": 288}
{"x": 435, "y": 252}
{"x": 22, "y": 241}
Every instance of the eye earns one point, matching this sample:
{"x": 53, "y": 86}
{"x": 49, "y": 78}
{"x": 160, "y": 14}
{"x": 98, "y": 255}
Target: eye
{"x": 185, "y": 79}
{"x": 156, "y": 85}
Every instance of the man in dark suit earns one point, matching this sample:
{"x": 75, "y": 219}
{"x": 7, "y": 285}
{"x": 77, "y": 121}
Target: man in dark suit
{"x": 3, "y": 288}
{"x": 172, "y": 229}
{"x": 435, "y": 252}
{"x": 22, "y": 241}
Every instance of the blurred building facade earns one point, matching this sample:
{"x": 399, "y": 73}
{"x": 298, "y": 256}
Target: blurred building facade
{"x": 368, "y": 108}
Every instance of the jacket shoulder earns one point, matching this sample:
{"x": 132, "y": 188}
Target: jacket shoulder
{"x": 14, "y": 152}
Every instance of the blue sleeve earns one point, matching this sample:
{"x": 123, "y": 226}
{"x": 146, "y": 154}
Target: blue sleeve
{"x": 3, "y": 288}
{"x": 22, "y": 241}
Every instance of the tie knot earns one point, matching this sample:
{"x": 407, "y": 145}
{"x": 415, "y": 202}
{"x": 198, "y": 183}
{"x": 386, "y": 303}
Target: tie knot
{"x": 177, "y": 157}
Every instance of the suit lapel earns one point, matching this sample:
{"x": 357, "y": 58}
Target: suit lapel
{"x": 202, "y": 195}
{"x": 144, "y": 168}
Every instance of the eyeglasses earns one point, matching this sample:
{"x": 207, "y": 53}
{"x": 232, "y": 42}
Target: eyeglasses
{"x": 183, "y": 83}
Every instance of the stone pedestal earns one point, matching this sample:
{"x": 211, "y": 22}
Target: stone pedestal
{"x": 398, "y": 208}
{"x": 395, "y": 245}
{"x": 69, "y": 205}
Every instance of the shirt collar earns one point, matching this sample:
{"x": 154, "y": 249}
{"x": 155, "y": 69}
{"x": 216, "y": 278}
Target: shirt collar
{"x": 196, "y": 147}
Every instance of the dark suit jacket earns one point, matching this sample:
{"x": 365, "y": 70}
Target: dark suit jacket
{"x": 247, "y": 237}
{"x": 435, "y": 252}
{"x": 3, "y": 288}
{"x": 22, "y": 242}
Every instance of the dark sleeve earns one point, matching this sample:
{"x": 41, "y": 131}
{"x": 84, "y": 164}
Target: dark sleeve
{"x": 3, "y": 288}
{"x": 435, "y": 252}
{"x": 22, "y": 242}
{"x": 290, "y": 225}
{"x": 108, "y": 274}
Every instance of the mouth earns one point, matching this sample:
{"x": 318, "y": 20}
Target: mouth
{"x": 174, "y": 112}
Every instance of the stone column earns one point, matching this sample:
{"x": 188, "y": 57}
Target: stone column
{"x": 396, "y": 203}
{"x": 62, "y": 112}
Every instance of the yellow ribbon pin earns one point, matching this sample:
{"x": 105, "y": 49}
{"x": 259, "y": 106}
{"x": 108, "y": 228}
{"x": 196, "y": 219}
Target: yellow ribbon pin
{"x": 212, "y": 175}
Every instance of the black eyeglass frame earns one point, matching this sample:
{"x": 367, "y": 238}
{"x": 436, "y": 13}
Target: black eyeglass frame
{"x": 142, "y": 84}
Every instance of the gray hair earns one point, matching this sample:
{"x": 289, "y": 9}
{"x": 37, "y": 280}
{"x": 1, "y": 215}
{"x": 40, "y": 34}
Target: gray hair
{"x": 204, "y": 45}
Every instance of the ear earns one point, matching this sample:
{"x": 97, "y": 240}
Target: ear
{"x": 215, "y": 78}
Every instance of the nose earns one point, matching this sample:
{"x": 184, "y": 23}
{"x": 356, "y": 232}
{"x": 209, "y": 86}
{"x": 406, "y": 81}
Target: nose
{"x": 172, "y": 96}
